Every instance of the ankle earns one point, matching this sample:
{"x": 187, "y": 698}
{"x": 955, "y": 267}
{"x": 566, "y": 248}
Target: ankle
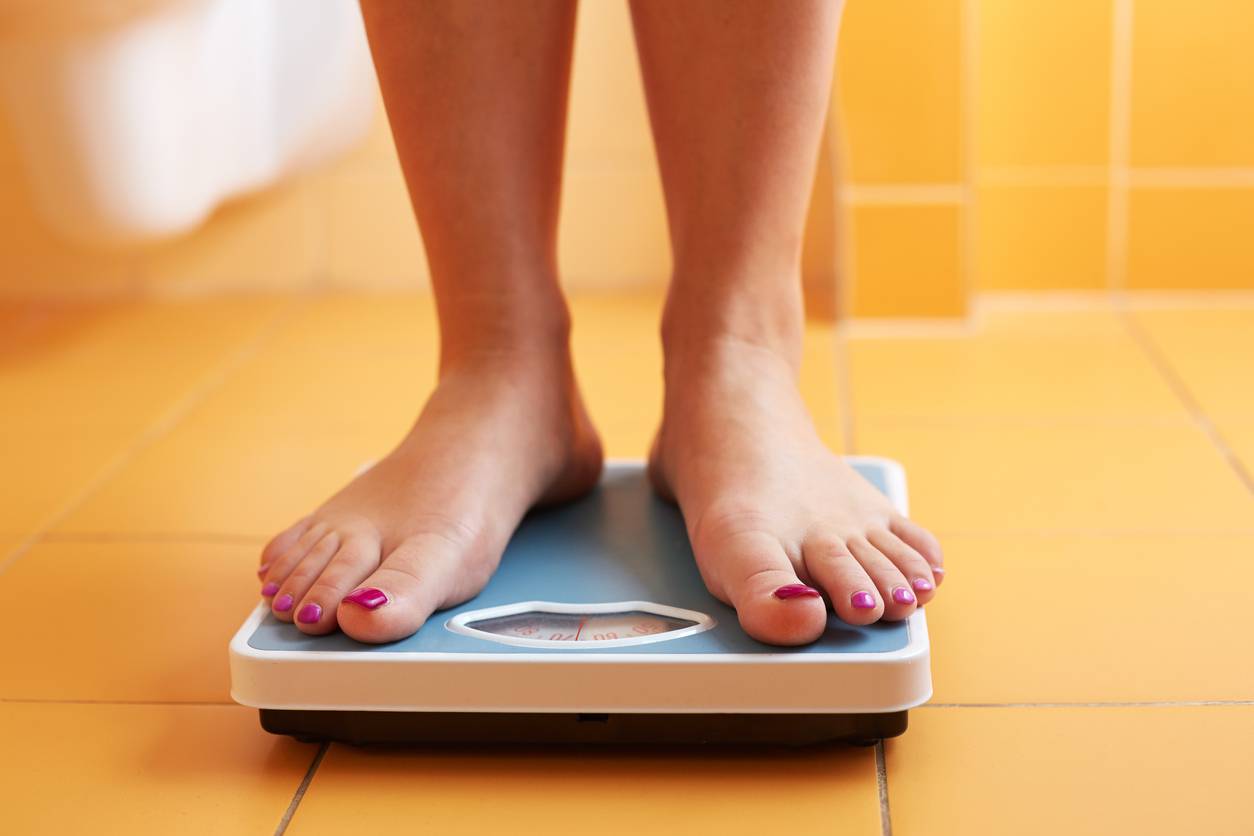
{"x": 703, "y": 319}
{"x": 504, "y": 328}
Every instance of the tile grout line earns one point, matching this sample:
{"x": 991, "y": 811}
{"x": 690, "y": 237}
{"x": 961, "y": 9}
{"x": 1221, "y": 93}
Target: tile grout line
{"x": 968, "y": 69}
{"x": 160, "y": 427}
{"x": 299, "y": 795}
{"x": 881, "y": 785}
{"x": 1181, "y": 389}
{"x": 1120, "y": 133}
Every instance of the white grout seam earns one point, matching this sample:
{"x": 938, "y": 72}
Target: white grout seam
{"x": 299, "y": 795}
{"x": 881, "y": 785}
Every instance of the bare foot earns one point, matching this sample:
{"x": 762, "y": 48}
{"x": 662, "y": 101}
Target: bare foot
{"x": 778, "y": 523}
{"x": 425, "y": 527}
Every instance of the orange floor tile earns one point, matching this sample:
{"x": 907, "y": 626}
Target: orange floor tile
{"x": 1088, "y": 470}
{"x": 546, "y": 792}
{"x": 140, "y": 769}
{"x": 1090, "y": 771}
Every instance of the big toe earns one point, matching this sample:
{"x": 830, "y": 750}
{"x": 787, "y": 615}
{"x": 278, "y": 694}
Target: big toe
{"x": 418, "y": 577}
{"x": 753, "y": 573}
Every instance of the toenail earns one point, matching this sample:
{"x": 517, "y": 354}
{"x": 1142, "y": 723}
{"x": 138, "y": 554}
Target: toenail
{"x": 261, "y": 571}
{"x": 903, "y": 596}
{"x": 938, "y": 573}
{"x": 309, "y": 614}
{"x": 796, "y": 590}
{"x": 269, "y": 589}
{"x": 368, "y": 597}
{"x": 283, "y": 603}
{"x": 862, "y": 601}
{"x": 922, "y": 585}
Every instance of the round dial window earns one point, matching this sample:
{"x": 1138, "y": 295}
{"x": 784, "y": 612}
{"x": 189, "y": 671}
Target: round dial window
{"x": 580, "y": 626}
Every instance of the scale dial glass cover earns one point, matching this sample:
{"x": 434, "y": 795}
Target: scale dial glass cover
{"x": 541, "y": 624}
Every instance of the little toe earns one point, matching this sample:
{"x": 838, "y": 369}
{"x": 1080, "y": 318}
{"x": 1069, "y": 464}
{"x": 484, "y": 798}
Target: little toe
{"x": 894, "y": 589}
{"x": 910, "y": 563}
{"x": 851, "y": 590}
{"x": 414, "y": 580}
{"x": 297, "y": 583}
{"x": 315, "y": 610}
{"x": 922, "y": 541}
{"x": 774, "y": 606}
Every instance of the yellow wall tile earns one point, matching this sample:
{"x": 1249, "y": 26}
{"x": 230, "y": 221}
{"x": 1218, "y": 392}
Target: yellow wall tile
{"x": 609, "y": 792}
{"x": 613, "y": 231}
{"x": 269, "y": 241}
{"x": 1192, "y": 84}
{"x": 1040, "y": 238}
{"x": 608, "y": 123}
{"x": 1079, "y": 771}
{"x": 1191, "y": 239}
{"x": 142, "y": 769}
{"x": 1043, "y": 87}
{"x": 372, "y": 240}
{"x": 898, "y": 91}
{"x": 907, "y": 261}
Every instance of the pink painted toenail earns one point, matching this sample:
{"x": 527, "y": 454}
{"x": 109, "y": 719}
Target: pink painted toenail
{"x": 309, "y": 614}
{"x": 261, "y": 570}
{"x": 862, "y": 601}
{"x": 796, "y": 590}
{"x": 283, "y": 603}
{"x": 269, "y": 589}
{"x": 922, "y": 585}
{"x": 903, "y": 596}
{"x": 368, "y": 597}
{"x": 938, "y": 573}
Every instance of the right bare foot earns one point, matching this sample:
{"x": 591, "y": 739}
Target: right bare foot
{"x": 424, "y": 528}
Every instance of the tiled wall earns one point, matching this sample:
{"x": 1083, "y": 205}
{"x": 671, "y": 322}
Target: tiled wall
{"x": 976, "y": 145}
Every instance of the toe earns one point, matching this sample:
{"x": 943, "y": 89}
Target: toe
{"x": 753, "y": 573}
{"x": 420, "y": 575}
{"x": 298, "y": 581}
{"x": 290, "y": 558}
{"x": 315, "y": 609}
{"x": 851, "y": 590}
{"x": 910, "y": 563}
{"x": 280, "y": 543}
{"x": 899, "y": 600}
{"x": 922, "y": 541}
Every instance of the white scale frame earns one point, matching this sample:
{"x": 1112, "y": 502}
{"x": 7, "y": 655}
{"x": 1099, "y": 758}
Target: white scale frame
{"x": 579, "y": 679}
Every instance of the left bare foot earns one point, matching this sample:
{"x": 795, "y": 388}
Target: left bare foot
{"x": 778, "y": 522}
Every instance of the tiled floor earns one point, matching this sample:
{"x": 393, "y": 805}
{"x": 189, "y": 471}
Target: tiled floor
{"x": 1088, "y": 471}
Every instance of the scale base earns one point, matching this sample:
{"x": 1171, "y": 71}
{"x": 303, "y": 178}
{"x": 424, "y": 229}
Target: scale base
{"x": 417, "y": 727}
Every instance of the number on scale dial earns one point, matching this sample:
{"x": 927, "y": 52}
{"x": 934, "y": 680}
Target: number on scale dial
{"x": 580, "y": 627}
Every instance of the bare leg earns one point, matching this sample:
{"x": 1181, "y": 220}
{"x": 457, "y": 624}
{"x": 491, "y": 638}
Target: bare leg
{"x": 737, "y": 93}
{"x": 476, "y": 93}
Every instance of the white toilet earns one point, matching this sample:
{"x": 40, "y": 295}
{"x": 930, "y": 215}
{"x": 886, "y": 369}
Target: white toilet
{"x": 136, "y": 118}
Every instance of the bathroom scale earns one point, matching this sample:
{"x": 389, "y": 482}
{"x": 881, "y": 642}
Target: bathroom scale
{"x": 596, "y": 628}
